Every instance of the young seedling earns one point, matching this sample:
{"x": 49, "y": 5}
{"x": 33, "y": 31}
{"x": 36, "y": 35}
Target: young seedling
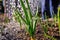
{"x": 29, "y": 20}
{"x": 17, "y": 18}
{"x": 58, "y": 14}
{"x": 50, "y": 37}
{"x": 45, "y": 28}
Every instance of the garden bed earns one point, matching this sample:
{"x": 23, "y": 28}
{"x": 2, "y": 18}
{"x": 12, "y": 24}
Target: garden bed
{"x": 12, "y": 31}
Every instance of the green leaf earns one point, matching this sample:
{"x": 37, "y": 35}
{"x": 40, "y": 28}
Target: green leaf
{"x": 58, "y": 14}
{"x": 30, "y": 13}
{"x": 29, "y": 20}
{"x": 25, "y": 12}
{"x": 18, "y": 12}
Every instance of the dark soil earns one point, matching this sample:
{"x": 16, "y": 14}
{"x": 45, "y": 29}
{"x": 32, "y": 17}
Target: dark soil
{"x": 21, "y": 34}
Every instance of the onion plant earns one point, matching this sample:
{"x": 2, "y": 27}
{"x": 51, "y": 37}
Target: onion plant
{"x": 58, "y": 14}
{"x": 57, "y": 18}
{"x": 45, "y": 28}
{"x": 17, "y": 18}
{"x": 29, "y": 20}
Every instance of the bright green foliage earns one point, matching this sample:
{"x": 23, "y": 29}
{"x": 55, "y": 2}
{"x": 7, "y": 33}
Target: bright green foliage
{"x": 50, "y": 37}
{"x": 57, "y": 18}
{"x": 17, "y": 18}
{"x": 45, "y": 28}
{"x": 29, "y": 20}
{"x": 58, "y": 14}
